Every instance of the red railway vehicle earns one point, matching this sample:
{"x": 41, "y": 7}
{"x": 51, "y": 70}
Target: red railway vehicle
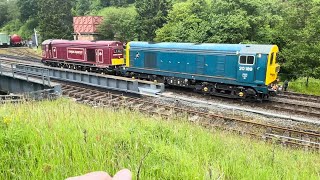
{"x": 98, "y": 56}
{"x": 16, "y": 40}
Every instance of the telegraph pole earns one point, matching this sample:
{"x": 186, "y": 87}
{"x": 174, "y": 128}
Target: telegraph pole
{"x": 35, "y": 36}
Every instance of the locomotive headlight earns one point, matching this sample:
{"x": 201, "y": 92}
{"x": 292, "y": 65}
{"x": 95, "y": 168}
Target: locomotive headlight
{"x": 259, "y": 55}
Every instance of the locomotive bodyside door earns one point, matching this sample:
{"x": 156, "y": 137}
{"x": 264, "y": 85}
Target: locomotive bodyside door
{"x": 99, "y": 56}
{"x": 261, "y": 68}
{"x": 54, "y": 52}
{"x": 49, "y": 51}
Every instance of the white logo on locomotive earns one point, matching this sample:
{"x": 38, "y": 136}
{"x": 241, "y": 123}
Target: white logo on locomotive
{"x": 75, "y": 52}
{"x": 244, "y": 75}
{"x": 242, "y": 68}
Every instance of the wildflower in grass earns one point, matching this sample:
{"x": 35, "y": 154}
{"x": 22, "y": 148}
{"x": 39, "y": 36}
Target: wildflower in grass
{"x": 47, "y": 168}
{"x": 6, "y": 120}
{"x": 98, "y": 138}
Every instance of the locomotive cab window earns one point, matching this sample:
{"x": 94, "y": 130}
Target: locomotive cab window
{"x": 271, "y": 58}
{"x": 243, "y": 59}
{"x": 249, "y": 60}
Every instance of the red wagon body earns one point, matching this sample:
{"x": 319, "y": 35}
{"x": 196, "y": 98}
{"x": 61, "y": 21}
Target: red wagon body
{"x": 16, "y": 40}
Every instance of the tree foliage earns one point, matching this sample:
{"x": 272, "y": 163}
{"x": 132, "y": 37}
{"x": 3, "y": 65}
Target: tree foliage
{"x": 28, "y": 9}
{"x": 300, "y": 40}
{"x": 151, "y": 15}
{"x": 188, "y": 22}
{"x": 8, "y": 11}
{"x": 3, "y": 12}
{"x": 221, "y": 21}
{"x": 96, "y": 5}
{"x": 118, "y": 23}
{"x": 55, "y": 19}
{"x": 82, "y": 7}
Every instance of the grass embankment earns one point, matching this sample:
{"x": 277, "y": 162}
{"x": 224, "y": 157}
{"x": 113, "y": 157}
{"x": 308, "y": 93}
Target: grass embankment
{"x": 37, "y": 51}
{"x": 2, "y": 51}
{"x": 299, "y": 86}
{"x": 55, "y": 140}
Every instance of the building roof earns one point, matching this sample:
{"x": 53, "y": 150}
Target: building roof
{"x": 86, "y": 24}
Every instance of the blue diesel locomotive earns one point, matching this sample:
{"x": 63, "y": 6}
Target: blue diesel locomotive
{"x": 229, "y": 70}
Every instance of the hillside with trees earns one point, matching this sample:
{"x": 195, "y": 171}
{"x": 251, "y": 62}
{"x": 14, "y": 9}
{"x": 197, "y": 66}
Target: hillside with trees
{"x": 293, "y": 25}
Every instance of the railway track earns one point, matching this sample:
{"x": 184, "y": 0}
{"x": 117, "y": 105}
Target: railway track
{"x": 296, "y": 108}
{"x": 268, "y": 132}
{"x": 275, "y": 104}
{"x": 278, "y": 105}
{"x": 299, "y": 97}
{"x": 7, "y": 59}
{"x": 21, "y": 53}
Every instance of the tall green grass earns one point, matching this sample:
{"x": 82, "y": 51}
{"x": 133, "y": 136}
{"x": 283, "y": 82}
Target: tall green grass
{"x": 56, "y": 140}
{"x": 299, "y": 85}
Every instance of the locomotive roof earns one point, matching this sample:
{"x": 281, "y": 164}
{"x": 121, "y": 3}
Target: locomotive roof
{"x": 79, "y": 42}
{"x": 242, "y": 48}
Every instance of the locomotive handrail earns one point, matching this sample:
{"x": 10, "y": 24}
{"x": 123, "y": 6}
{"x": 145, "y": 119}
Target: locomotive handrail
{"x": 43, "y": 73}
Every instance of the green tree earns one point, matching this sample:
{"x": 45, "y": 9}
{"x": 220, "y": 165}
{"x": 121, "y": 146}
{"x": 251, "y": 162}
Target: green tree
{"x": 9, "y": 14}
{"x": 300, "y": 39}
{"x": 28, "y": 9}
{"x": 95, "y": 6}
{"x": 27, "y": 29}
{"x": 222, "y": 21}
{"x": 187, "y": 22}
{"x": 4, "y": 14}
{"x": 82, "y": 7}
{"x": 244, "y": 21}
{"x": 151, "y": 15}
{"x": 120, "y": 3}
{"x": 55, "y": 19}
{"x": 118, "y": 24}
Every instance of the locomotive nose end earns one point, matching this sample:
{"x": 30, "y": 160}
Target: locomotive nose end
{"x": 273, "y": 67}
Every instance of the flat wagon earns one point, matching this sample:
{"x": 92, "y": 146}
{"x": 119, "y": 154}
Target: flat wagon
{"x": 4, "y": 40}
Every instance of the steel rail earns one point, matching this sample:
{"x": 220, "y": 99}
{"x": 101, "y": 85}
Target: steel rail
{"x": 290, "y": 107}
